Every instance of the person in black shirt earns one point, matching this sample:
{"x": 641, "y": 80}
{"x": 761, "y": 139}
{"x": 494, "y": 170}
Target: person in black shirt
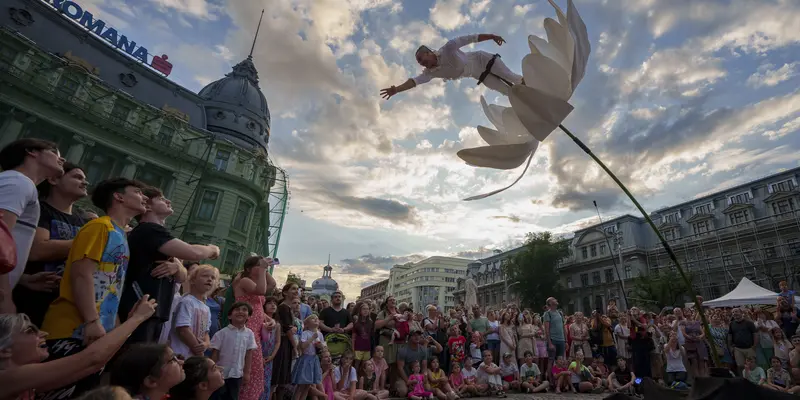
{"x": 58, "y": 225}
{"x": 155, "y": 265}
{"x": 336, "y": 319}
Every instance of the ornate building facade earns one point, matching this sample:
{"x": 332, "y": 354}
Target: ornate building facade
{"x": 430, "y": 281}
{"x": 115, "y": 115}
{"x": 494, "y": 290}
{"x": 375, "y": 292}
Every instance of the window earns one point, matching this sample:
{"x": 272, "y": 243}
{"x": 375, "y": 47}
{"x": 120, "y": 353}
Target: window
{"x": 585, "y": 252}
{"x": 449, "y": 279}
{"x": 68, "y": 85}
{"x": 596, "y": 278}
{"x": 208, "y": 205}
{"x": 602, "y": 249}
{"x": 221, "y": 160}
{"x": 671, "y": 218}
{"x": 165, "y": 135}
{"x": 593, "y": 250}
{"x": 231, "y": 261}
{"x": 587, "y": 305}
{"x": 610, "y": 230}
{"x": 569, "y": 283}
{"x": 609, "y": 275}
{"x": 670, "y": 234}
{"x": 741, "y": 198}
{"x": 783, "y": 206}
{"x": 726, "y": 259}
{"x": 120, "y": 111}
{"x": 598, "y": 302}
{"x": 702, "y": 227}
{"x": 584, "y": 280}
{"x": 628, "y": 272}
{"x": 747, "y": 253}
{"x": 794, "y": 246}
{"x": 739, "y": 217}
{"x": 769, "y": 250}
{"x": 150, "y": 177}
{"x": 782, "y": 186}
{"x": 714, "y": 290}
{"x": 704, "y": 209}
{"x": 242, "y": 215}
{"x": 98, "y": 167}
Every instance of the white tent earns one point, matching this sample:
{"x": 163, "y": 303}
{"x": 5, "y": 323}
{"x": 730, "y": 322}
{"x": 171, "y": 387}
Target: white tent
{"x": 746, "y": 293}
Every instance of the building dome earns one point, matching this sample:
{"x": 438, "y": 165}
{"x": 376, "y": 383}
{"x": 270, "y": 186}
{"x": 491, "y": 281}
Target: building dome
{"x": 236, "y": 108}
{"x": 324, "y": 285}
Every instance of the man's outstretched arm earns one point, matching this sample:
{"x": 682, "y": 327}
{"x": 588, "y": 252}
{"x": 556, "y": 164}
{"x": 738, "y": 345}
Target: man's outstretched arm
{"x": 393, "y": 90}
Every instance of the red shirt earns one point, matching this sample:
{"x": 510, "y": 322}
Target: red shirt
{"x": 456, "y": 345}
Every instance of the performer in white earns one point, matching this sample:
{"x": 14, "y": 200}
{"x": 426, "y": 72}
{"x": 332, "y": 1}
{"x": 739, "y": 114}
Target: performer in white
{"x": 450, "y": 62}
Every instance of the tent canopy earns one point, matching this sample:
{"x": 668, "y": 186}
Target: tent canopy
{"x": 746, "y": 293}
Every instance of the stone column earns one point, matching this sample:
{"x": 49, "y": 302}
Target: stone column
{"x": 10, "y": 129}
{"x": 76, "y": 151}
{"x": 129, "y": 171}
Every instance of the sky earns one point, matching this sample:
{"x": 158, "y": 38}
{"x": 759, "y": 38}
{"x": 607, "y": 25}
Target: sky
{"x": 680, "y": 98}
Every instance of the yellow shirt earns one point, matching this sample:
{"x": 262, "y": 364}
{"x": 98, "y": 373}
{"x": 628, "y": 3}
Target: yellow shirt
{"x": 105, "y": 243}
{"x": 435, "y": 376}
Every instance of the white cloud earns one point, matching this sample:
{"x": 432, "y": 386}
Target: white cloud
{"x": 448, "y": 15}
{"x": 201, "y": 9}
{"x": 767, "y": 76}
{"x": 407, "y": 37}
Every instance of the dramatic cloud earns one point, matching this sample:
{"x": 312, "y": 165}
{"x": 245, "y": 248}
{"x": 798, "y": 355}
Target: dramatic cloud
{"x": 368, "y": 263}
{"x": 767, "y": 75}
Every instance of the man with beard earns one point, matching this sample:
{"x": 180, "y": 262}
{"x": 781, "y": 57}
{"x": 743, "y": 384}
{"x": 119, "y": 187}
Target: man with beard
{"x": 58, "y": 224}
{"x": 336, "y": 319}
{"x": 155, "y": 265}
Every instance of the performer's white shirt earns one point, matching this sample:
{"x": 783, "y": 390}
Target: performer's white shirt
{"x": 455, "y": 63}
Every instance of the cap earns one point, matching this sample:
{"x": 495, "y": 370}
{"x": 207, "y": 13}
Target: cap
{"x": 506, "y": 355}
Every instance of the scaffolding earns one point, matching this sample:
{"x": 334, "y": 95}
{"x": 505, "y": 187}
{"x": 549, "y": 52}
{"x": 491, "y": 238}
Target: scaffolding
{"x": 766, "y": 250}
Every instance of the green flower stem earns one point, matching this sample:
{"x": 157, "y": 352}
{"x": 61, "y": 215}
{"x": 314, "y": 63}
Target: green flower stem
{"x": 664, "y": 243}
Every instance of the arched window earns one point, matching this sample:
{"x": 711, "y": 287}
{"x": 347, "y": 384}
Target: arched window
{"x": 587, "y": 305}
{"x": 628, "y": 272}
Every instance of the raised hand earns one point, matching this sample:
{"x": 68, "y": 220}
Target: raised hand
{"x": 389, "y": 92}
{"x": 499, "y": 40}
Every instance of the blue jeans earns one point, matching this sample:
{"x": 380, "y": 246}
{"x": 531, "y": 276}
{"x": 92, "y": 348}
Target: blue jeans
{"x": 559, "y": 351}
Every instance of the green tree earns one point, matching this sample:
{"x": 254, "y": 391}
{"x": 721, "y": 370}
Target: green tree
{"x": 532, "y": 274}
{"x": 294, "y": 278}
{"x": 660, "y": 290}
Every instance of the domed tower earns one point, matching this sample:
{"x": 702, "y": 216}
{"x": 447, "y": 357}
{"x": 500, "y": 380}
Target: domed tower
{"x": 235, "y": 106}
{"x": 325, "y": 286}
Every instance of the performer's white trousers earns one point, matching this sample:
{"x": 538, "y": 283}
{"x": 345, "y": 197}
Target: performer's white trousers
{"x": 500, "y": 69}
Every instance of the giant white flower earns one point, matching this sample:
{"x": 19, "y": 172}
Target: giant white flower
{"x": 552, "y": 71}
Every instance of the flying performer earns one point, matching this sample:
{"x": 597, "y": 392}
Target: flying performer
{"x": 450, "y": 62}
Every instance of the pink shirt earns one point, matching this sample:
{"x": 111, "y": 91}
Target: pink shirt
{"x": 380, "y": 367}
{"x": 456, "y": 380}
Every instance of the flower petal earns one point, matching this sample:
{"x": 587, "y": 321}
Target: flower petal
{"x": 514, "y": 127}
{"x": 494, "y": 192}
{"x": 582, "y": 46}
{"x": 504, "y": 156}
{"x": 561, "y": 17}
{"x": 494, "y": 113}
{"x": 544, "y": 74}
{"x": 493, "y": 137}
{"x": 539, "y": 112}
{"x": 540, "y": 46}
{"x": 558, "y": 35}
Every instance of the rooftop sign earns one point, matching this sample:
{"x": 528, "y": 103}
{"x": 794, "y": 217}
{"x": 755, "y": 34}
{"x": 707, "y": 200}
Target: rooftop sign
{"x": 98, "y": 27}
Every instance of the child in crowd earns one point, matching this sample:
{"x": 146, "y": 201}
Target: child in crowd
{"x": 531, "y": 376}
{"x": 133, "y": 371}
{"x": 106, "y": 393}
{"x": 676, "y": 369}
{"x": 368, "y": 382}
{"x": 489, "y": 374}
{"x": 456, "y": 344}
{"x": 362, "y": 335}
{"x": 622, "y": 379}
{"x": 381, "y": 366}
{"x": 192, "y": 315}
{"x": 438, "y": 383}
{"x": 228, "y": 352}
{"x": 307, "y": 371}
{"x": 475, "y": 349}
{"x": 326, "y": 389}
{"x": 561, "y": 375}
{"x": 470, "y": 375}
{"x": 582, "y": 379}
{"x": 777, "y": 377}
{"x": 417, "y": 381}
{"x": 509, "y": 372}
{"x": 781, "y": 346}
{"x": 346, "y": 380}
{"x": 458, "y": 382}
{"x": 203, "y": 378}
{"x": 599, "y": 370}
{"x": 752, "y": 372}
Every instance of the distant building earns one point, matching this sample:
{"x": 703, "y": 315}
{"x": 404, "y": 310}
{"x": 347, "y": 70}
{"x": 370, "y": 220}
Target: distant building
{"x": 430, "y": 281}
{"x": 493, "y": 287}
{"x": 325, "y": 285}
{"x": 375, "y": 292}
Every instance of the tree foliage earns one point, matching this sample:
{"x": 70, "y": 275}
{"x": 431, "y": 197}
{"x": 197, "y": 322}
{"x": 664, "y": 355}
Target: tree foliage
{"x": 532, "y": 274}
{"x": 660, "y": 290}
{"x": 293, "y": 278}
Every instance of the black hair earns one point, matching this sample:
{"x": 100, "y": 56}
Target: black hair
{"x": 528, "y": 353}
{"x": 101, "y": 393}
{"x": 196, "y": 369}
{"x": 45, "y": 187}
{"x": 13, "y": 155}
{"x": 250, "y": 263}
{"x": 151, "y": 192}
{"x": 136, "y": 364}
{"x": 241, "y": 304}
{"x": 103, "y": 194}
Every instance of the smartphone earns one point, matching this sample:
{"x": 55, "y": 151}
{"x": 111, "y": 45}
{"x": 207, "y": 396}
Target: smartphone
{"x": 276, "y": 261}
{"x": 137, "y": 290}
{"x": 638, "y": 381}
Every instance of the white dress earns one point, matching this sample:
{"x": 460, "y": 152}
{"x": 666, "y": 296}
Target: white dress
{"x": 456, "y": 64}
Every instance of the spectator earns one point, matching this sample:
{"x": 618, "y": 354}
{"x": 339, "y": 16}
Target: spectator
{"x": 215, "y": 302}
{"x": 107, "y": 393}
{"x": 154, "y": 266}
{"x": 384, "y": 323}
{"x": 192, "y": 316}
{"x": 369, "y": 382}
{"x": 336, "y": 319}
{"x": 525, "y": 332}
{"x": 347, "y": 380}
{"x": 58, "y": 224}
{"x": 622, "y": 379}
{"x": 270, "y": 342}
{"x": 202, "y": 378}
{"x": 308, "y": 372}
{"x": 554, "y": 330}
{"x": 89, "y": 295}
{"x": 233, "y": 348}
{"x": 362, "y": 335}
{"x": 25, "y": 163}
{"x": 531, "y": 376}
{"x": 777, "y": 377}
{"x": 743, "y": 337}
{"x": 753, "y": 372}
{"x": 22, "y": 370}
{"x": 281, "y": 365}
{"x": 147, "y": 370}
{"x": 416, "y": 350}
{"x": 489, "y": 374}
{"x": 481, "y": 324}
{"x": 765, "y": 349}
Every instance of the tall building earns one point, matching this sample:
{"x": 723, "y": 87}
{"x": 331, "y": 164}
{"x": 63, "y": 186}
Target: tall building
{"x": 71, "y": 78}
{"x": 324, "y": 286}
{"x": 751, "y": 230}
{"x": 494, "y": 289}
{"x": 430, "y": 281}
{"x": 375, "y": 292}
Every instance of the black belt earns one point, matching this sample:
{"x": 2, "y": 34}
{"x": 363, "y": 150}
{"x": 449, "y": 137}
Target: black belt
{"x": 488, "y": 72}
